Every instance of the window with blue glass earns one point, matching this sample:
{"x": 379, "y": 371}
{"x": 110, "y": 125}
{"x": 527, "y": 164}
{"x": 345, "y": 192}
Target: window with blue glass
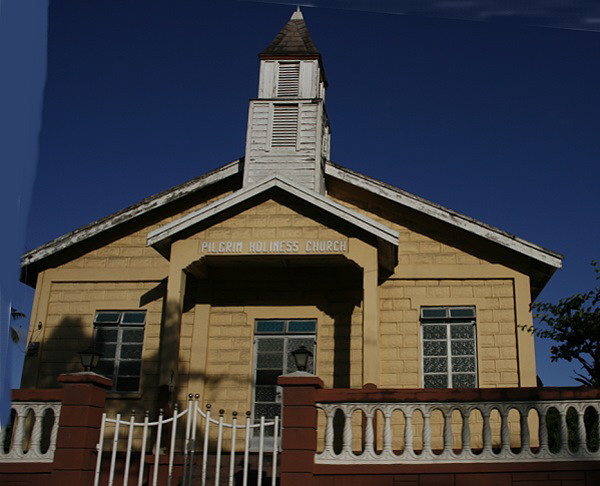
{"x": 119, "y": 336}
{"x": 449, "y": 347}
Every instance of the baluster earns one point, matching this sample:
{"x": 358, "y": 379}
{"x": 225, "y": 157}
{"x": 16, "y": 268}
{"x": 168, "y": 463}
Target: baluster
{"x": 505, "y": 432}
{"x": 369, "y": 435}
{"x": 426, "y": 431}
{"x": 543, "y": 431}
{"x": 487, "y": 430}
{"x": 564, "y": 433}
{"x": 525, "y": 435}
{"x": 448, "y": 432}
{"x": 387, "y": 431}
{"x": 466, "y": 432}
{"x": 36, "y": 433}
{"x": 19, "y": 432}
{"x": 347, "y": 437}
{"x": 408, "y": 432}
{"x": 581, "y": 442}
{"x": 329, "y": 414}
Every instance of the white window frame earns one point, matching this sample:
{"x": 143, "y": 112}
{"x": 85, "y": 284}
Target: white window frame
{"x": 424, "y": 321}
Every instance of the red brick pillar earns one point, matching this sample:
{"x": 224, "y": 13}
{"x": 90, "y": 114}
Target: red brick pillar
{"x": 84, "y": 395}
{"x": 299, "y": 436}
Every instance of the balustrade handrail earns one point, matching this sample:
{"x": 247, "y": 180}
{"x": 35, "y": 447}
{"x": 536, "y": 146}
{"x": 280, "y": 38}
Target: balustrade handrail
{"x": 31, "y": 434}
{"x": 521, "y": 444}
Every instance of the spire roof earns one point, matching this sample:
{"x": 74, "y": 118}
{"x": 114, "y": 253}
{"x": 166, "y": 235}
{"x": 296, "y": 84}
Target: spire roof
{"x": 293, "y": 40}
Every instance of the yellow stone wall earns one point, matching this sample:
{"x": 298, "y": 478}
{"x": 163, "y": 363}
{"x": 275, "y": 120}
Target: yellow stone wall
{"x": 401, "y": 301}
{"x": 216, "y": 339}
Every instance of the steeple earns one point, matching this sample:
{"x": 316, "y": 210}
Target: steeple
{"x": 293, "y": 39}
{"x": 288, "y": 132}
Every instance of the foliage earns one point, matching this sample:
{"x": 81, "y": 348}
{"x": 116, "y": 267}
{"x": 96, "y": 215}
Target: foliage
{"x": 574, "y": 324}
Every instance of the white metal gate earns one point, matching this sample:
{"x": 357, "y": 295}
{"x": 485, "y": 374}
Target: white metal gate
{"x": 183, "y": 439}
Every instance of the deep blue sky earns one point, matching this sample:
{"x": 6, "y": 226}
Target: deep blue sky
{"x": 498, "y": 121}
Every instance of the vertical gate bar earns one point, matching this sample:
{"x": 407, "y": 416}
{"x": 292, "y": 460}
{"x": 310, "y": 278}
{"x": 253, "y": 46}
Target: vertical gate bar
{"x": 275, "y": 450}
{"x": 128, "y": 453}
{"x": 197, "y": 412}
{"x": 186, "y": 444}
{"x": 143, "y": 451}
{"x": 219, "y": 447}
{"x": 205, "y": 448}
{"x": 113, "y": 455}
{"x": 99, "y": 448}
{"x": 246, "y": 450}
{"x": 157, "y": 447}
{"x": 172, "y": 445}
{"x": 232, "y": 457}
{"x": 261, "y": 449}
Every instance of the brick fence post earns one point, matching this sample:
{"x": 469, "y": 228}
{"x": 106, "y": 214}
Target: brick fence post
{"x": 299, "y": 436}
{"x": 84, "y": 396}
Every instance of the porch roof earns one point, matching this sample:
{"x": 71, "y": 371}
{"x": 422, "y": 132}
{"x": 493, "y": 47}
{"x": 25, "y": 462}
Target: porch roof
{"x": 162, "y": 237}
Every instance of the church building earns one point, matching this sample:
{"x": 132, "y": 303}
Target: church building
{"x": 207, "y": 288}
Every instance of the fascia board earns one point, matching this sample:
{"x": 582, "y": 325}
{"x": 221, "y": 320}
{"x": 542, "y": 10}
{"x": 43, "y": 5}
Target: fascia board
{"x": 443, "y": 214}
{"x": 363, "y": 222}
{"x": 129, "y": 213}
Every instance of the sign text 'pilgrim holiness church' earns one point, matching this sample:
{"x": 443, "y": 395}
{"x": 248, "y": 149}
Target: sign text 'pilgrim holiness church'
{"x": 276, "y": 246}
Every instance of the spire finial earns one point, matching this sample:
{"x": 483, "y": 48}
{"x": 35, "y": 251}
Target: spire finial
{"x": 297, "y": 15}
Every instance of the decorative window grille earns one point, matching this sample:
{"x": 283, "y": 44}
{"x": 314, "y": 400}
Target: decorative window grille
{"x": 119, "y": 336}
{"x": 275, "y": 339}
{"x": 288, "y": 80}
{"x": 449, "y": 347}
{"x": 285, "y": 125}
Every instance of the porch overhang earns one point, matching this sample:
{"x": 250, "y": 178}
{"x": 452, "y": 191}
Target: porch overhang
{"x": 377, "y": 234}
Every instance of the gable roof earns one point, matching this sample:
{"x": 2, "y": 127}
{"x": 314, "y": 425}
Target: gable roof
{"x": 35, "y": 258}
{"x": 156, "y": 201}
{"x": 162, "y": 237}
{"x": 446, "y": 215}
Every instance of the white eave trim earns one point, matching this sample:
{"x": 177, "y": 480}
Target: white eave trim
{"x": 130, "y": 213}
{"x": 448, "y": 216}
{"x": 363, "y": 222}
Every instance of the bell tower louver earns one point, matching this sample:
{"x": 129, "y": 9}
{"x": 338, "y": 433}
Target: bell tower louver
{"x": 288, "y": 132}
